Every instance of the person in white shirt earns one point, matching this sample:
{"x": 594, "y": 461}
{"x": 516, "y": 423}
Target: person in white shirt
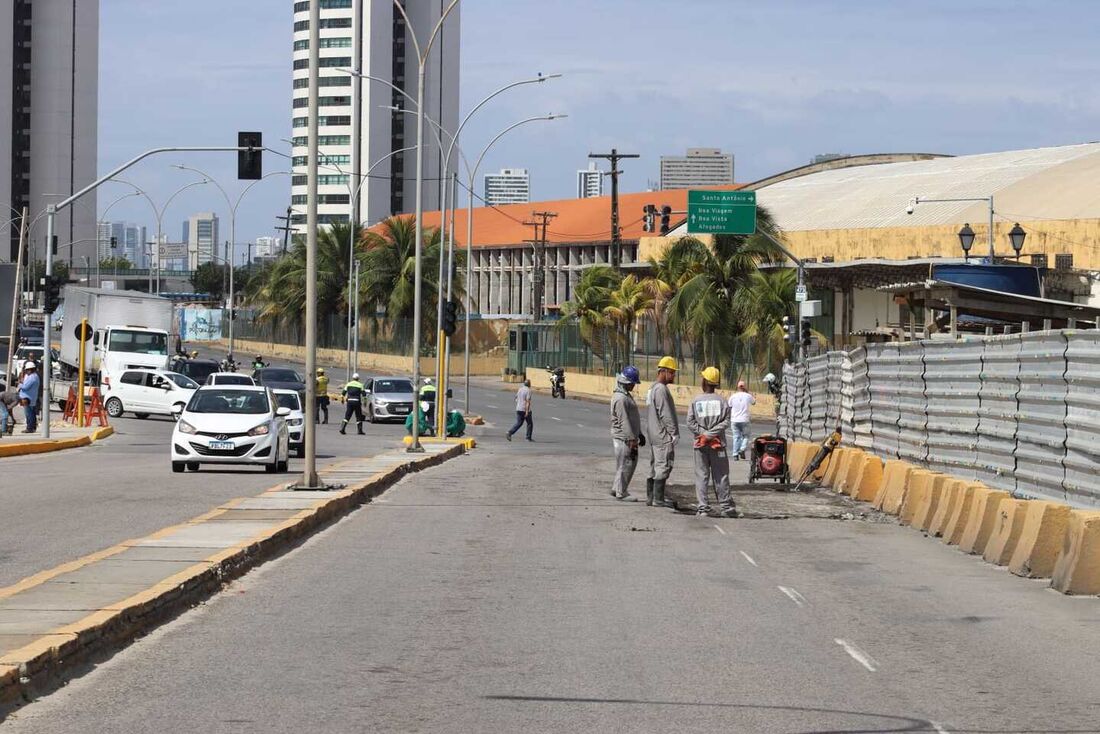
{"x": 739, "y": 404}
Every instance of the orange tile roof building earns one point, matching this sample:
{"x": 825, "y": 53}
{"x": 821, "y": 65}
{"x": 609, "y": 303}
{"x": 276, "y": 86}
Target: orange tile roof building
{"x": 503, "y": 259}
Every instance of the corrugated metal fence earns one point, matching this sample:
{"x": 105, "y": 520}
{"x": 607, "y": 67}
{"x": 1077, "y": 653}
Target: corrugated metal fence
{"x": 1019, "y": 412}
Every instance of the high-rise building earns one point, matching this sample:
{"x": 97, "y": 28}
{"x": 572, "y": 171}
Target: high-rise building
{"x": 266, "y": 246}
{"x": 129, "y": 242}
{"x": 49, "y": 87}
{"x": 700, "y": 167}
{"x": 510, "y": 186}
{"x": 589, "y": 182}
{"x": 200, "y": 232}
{"x": 356, "y": 133}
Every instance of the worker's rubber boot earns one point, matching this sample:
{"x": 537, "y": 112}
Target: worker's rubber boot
{"x": 360, "y": 425}
{"x": 649, "y": 492}
{"x": 659, "y": 495}
{"x": 343, "y": 428}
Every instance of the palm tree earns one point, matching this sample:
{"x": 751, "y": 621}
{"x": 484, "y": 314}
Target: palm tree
{"x": 631, "y": 301}
{"x": 762, "y": 305}
{"x": 587, "y": 308}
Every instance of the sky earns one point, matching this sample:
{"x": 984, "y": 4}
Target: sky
{"x": 774, "y": 82}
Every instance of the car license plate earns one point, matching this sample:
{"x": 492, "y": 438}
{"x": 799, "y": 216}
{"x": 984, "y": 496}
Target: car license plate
{"x": 401, "y": 409}
{"x": 221, "y": 446}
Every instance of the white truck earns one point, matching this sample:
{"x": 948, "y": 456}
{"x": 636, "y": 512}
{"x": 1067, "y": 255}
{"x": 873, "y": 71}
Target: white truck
{"x": 130, "y": 330}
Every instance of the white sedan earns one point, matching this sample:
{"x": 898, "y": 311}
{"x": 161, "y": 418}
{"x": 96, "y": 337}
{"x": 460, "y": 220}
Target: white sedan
{"x": 238, "y": 424}
{"x": 295, "y": 422}
{"x": 145, "y": 392}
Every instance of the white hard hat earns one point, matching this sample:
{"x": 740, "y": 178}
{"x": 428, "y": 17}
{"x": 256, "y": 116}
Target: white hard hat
{"x": 427, "y": 380}
{"x": 769, "y": 377}
{"x": 355, "y": 376}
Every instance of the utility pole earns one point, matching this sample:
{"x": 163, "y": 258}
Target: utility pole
{"x": 540, "y": 219}
{"x": 616, "y": 235}
{"x": 285, "y": 229}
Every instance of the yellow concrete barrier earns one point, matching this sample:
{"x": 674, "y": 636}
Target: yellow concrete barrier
{"x": 926, "y": 511}
{"x": 895, "y": 482}
{"x": 960, "y": 516}
{"x": 920, "y": 485}
{"x": 799, "y": 454}
{"x": 983, "y": 515}
{"x": 869, "y": 480}
{"x": 1008, "y": 524}
{"x": 952, "y": 490}
{"x": 848, "y": 481}
{"x": 1077, "y": 570}
{"x": 838, "y": 459}
{"x": 826, "y": 464}
{"x": 1040, "y": 539}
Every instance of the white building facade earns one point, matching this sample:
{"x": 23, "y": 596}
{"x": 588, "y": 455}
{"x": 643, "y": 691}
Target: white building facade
{"x": 356, "y": 134}
{"x": 589, "y": 182}
{"x": 700, "y": 167}
{"x": 510, "y": 186}
{"x": 49, "y": 87}
{"x": 266, "y": 247}
{"x": 200, "y": 232}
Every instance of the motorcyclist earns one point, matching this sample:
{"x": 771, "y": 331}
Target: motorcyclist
{"x": 258, "y": 363}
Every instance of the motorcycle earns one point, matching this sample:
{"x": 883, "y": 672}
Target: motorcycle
{"x": 557, "y": 382}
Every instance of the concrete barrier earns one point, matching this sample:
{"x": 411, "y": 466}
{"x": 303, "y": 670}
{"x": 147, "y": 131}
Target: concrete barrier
{"x": 952, "y": 491}
{"x": 983, "y": 515}
{"x": 798, "y": 457}
{"x": 1077, "y": 570}
{"x": 960, "y": 516}
{"x": 930, "y": 503}
{"x": 895, "y": 481}
{"x": 838, "y": 459}
{"x": 869, "y": 481}
{"x": 920, "y": 485}
{"x": 848, "y": 481}
{"x": 1008, "y": 524}
{"x": 1044, "y": 527}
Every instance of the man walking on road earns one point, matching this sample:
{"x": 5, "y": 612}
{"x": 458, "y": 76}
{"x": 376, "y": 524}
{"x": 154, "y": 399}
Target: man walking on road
{"x": 28, "y": 396}
{"x": 322, "y": 396}
{"x": 663, "y": 429}
{"x": 626, "y": 433}
{"x": 708, "y": 419}
{"x": 353, "y": 394}
{"x": 739, "y": 418}
{"x": 523, "y": 411}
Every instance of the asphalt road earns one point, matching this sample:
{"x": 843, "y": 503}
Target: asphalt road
{"x": 505, "y": 591}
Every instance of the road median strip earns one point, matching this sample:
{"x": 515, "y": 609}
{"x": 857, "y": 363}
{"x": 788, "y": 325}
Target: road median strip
{"x": 58, "y": 622}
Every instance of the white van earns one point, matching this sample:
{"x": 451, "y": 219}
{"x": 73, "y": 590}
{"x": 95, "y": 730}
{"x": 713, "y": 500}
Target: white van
{"x": 147, "y": 392}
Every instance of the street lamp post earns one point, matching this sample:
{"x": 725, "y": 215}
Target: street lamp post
{"x": 470, "y": 180}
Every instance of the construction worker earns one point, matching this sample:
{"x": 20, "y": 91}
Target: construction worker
{"x": 709, "y": 419}
{"x": 663, "y": 430}
{"x": 322, "y": 396}
{"x": 353, "y": 395}
{"x": 740, "y": 420}
{"x": 626, "y": 433}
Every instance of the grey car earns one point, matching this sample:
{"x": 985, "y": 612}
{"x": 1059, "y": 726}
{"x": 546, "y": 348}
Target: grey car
{"x": 388, "y": 398}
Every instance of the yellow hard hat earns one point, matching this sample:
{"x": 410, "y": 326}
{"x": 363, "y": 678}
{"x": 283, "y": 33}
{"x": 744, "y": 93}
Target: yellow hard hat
{"x": 667, "y": 363}
{"x": 711, "y": 375}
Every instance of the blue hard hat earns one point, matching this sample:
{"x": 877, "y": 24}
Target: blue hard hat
{"x": 630, "y": 372}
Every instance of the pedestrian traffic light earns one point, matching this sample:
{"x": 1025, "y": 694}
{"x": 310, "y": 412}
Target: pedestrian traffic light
{"x": 250, "y": 162}
{"x": 649, "y": 217}
{"x": 450, "y": 317}
{"x": 807, "y": 333}
{"x": 52, "y": 285}
{"x": 666, "y": 216}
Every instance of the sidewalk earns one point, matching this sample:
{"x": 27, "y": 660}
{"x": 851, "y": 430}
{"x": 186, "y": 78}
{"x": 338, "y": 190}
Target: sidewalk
{"x": 62, "y": 436}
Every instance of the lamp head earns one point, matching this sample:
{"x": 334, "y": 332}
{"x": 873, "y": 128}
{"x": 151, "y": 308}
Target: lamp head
{"x": 966, "y": 238}
{"x": 1016, "y": 236}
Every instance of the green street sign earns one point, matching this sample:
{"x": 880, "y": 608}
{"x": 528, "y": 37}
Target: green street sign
{"x": 721, "y": 212}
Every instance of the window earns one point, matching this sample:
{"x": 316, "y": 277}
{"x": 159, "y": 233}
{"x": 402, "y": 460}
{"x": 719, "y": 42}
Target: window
{"x": 241, "y": 402}
{"x": 324, "y": 120}
{"x": 303, "y": 6}
{"x": 299, "y": 103}
{"x": 301, "y": 160}
{"x": 132, "y": 378}
{"x": 328, "y": 62}
{"x": 325, "y": 42}
{"x": 288, "y": 400}
{"x": 301, "y": 141}
{"x": 138, "y": 342}
{"x": 392, "y": 386}
{"x": 322, "y": 199}
{"x": 303, "y": 25}
{"x": 322, "y": 180}
{"x": 325, "y": 81}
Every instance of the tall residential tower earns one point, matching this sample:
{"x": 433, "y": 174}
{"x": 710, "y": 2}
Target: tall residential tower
{"x": 49, "y": 89}
{"x": 356, "y": 131}
{"x": 700, "y": 167}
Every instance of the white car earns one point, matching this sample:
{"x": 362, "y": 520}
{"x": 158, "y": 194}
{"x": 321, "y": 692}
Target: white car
{"x": 232, "y": 424}
{"x": 228, "y": 378}
{"x": 145, "y": 392}
{"x": 296, "y": 421}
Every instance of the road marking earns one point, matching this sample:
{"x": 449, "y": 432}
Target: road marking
{"x": 580, "y": 425}
{"x": 494, "y": 407}
{"x": 554, "y": 418}
{"x": 793, "y": 595}
{"x": 858, "y": 655}
{"x": 748, "y": 557}
{"x": 939, "y": 728}
{"x": 723, "y": 532}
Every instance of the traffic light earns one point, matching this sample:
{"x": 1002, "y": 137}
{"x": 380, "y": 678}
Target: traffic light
{"x": 788, "y": 330}
{"x": 666, "y": 216}
{"x": 114, "y": 243}
{"x": 807, "y": 333}
{"x": 450, "y": 317}
{"x": 649, "y": 218}
{"x": 250, "y": 162}
{"x": 52, "y": 285}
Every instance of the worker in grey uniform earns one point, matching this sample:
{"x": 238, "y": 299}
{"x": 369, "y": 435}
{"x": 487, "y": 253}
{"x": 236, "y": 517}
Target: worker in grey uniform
{"x": 663, "y": 431}
{"x": 708, "y": 420}
{"x": 626, "y": 433}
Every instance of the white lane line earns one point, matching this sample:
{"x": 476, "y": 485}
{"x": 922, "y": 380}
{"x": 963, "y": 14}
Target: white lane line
{"x": 939, "y": 728}
{"x": 580, "y": 425}
{"x": 554, "y": 418}
{"x": 793, "y": 595}
{"x": 723, "y": 532}
{"x": 858, "y": 655}
{"x": 748, "y": 557}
